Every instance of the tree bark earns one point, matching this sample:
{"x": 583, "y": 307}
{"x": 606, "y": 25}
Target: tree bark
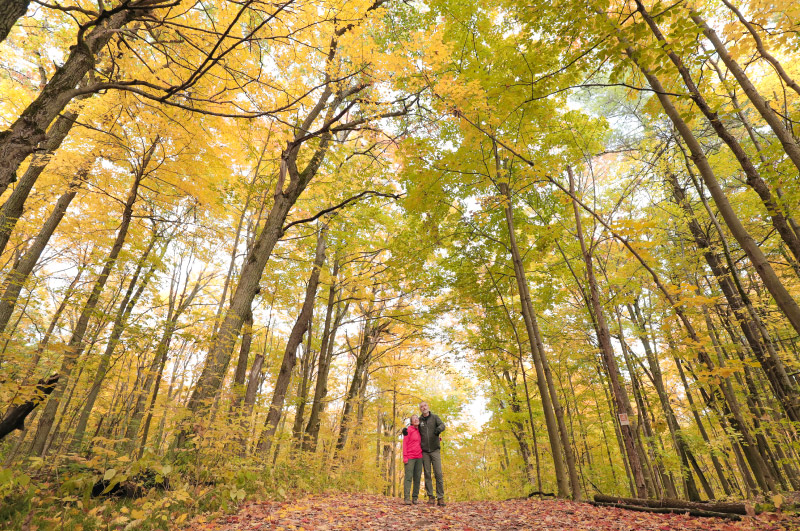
{"x": 10, "y": 12}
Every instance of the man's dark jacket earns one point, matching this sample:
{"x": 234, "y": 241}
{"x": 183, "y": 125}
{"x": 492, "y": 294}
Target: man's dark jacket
{"x": 429, "y": 429}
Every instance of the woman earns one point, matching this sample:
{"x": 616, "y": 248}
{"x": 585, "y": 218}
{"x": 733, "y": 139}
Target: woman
{"x": 412, "y": 457}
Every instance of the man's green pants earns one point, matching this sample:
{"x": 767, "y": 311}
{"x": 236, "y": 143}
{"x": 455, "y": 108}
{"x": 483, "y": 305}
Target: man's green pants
{"x": 435, "y": 459}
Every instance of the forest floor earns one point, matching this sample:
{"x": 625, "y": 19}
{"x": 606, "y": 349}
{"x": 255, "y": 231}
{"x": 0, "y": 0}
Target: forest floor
{"x": 337, "y": 511}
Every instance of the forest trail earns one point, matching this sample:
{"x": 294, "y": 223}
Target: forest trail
{"x": 337, "y": 511}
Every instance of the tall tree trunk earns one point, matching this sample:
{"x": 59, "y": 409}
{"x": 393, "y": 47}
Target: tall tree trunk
{"x": 177, "y": 305}
{"x": 518, "y": 430}
{"x": 762, "y": 50}
{"x": 678, "y": 438}
{"x": 325, "y": 358}
{"x": 775, "y": 122}
{"x": 306, "y": 364}
{"x": 618, "y": 391}
{"x": 75, "y": 346}
{"x": 785, "y": 391}
{"x": 300, "y": 327}
{"x": 219, "y": 355}
{"x": 754, "y": 179}
{"x": 557, "y": 445}
{"x": 370, "y": 337}
{"x": 241, "y": 364}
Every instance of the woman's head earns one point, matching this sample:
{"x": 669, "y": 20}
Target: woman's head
{"x": 415, "y": 420}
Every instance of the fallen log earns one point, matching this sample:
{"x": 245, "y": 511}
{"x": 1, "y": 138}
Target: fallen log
{"x": 718, "y": 507}
{"x": 14, "y": 419}
{"x": 669, "y": 510}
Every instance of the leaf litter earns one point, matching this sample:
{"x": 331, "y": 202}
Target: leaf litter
{"x": 340, "y": 511}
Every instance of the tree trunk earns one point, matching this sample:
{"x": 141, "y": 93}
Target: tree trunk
{"x": 241, "y": 364}
{"x": 219, "y": 355}
{"x": 782, "y": 297}
{"x": 618, "y": 391}
{"x": 370, "y": 338}
{"x": 290, "y": 354}
{"x": 754, "y": 179}
{"x": 325, "y": 358}
{"x": 75, "y": 347}
{"x": 785, "y": 391}
{"x": 22, "y": 137}
{"x": 129, "y": 301}
{"x": 775, "y": 122}
{"x": 10, "y": 12}
{"x": 15, "y": 279}
{"x": 557, "y": 446}
{"x": 14, "y": 205}
{"x": 306, "y": 364}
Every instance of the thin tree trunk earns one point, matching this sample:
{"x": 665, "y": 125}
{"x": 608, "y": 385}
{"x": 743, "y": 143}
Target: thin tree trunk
{"x": 325, "y": 359}
{"x": 75, "y": 347}
{"x": 241, "y": 365}
{"x": 784, "y": 135}
{"x": 782, "y": 297}
{"x": 300, "y": 327}
{"x": 604, "y": 338}
{"x": 754, "y": 179}
{"x": 129, "y": 301}
{"x": 557, "y": 447}
{"x": 15, "y": 279}
{"x": 306, "y": 364}
{"x": 785, "y": 391}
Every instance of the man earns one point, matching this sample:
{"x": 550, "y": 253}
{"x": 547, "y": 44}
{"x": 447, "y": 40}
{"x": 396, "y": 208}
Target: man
{"x": 430, "y": 426}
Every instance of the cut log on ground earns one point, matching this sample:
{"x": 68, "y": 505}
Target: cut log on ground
{"x": 670, "y": 510}
{"x": 14, "y": 418}
{"x": 666, "y": 503}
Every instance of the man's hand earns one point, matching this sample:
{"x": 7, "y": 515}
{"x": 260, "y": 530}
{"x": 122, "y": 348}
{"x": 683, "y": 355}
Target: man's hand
{"x": 405, "y": 432}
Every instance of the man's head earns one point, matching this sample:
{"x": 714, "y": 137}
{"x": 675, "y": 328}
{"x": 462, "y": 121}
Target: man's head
{"x": 423, "y": 408}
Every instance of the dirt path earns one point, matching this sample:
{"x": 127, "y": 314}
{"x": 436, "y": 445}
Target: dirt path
{"x": 360, "y": 511}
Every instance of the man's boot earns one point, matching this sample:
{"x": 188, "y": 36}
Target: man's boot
{"x": 440, "y": 502}
{"x": 431, "y": 500}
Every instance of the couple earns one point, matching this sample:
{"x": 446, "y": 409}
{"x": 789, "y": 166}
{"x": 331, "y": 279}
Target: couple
{"x": 420, "y": 450}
